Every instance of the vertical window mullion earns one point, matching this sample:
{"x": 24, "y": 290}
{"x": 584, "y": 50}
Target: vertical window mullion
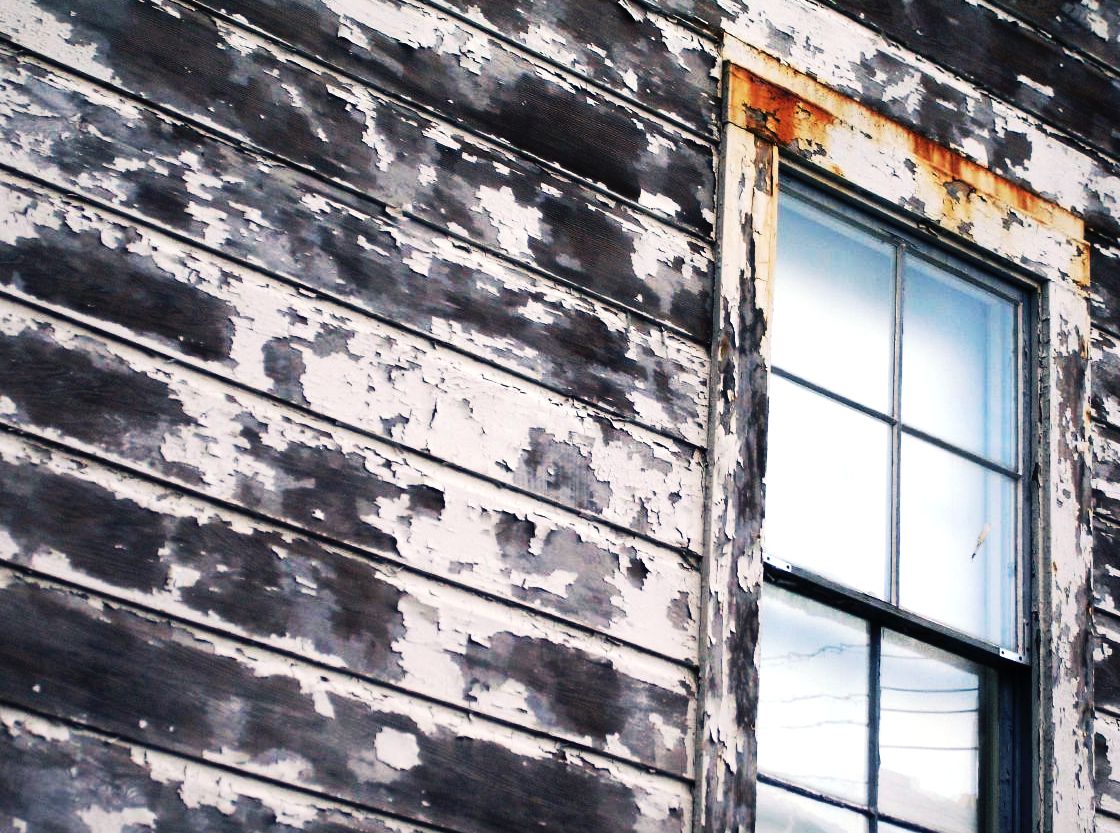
{"x": 1023, "y": 572}
{"x": 873, "y": 715}
{"x": 896, "y": 425}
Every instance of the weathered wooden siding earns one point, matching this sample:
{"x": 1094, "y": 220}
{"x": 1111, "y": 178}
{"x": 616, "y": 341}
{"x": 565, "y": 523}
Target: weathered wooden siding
{"x": 353, "y": 418}
{"x": 354, "y": 388}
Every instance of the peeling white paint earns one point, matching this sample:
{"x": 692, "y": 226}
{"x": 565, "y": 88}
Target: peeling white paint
{"x": 802, "y": 34}
{"x": 16, "y": 722}
{"x": 100, "y": 820}
{"x": 398, "y": 750}
{"x": 45, "y": 33}
{"x": 515, "y": 223}
{"x": 1044, "y": 89}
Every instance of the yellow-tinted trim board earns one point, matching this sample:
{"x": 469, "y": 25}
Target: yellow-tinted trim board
{"x": 869, "y": 150}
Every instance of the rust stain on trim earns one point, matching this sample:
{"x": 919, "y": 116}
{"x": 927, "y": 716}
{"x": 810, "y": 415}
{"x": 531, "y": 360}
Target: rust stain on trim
{"x": 778, "y": 115}
{"x": 800, "y": 114}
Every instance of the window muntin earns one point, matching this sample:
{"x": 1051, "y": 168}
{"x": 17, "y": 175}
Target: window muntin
{"x": 895, "y": 456}
{"x": 862, "y": 726}
{"x": 854, "y": 711}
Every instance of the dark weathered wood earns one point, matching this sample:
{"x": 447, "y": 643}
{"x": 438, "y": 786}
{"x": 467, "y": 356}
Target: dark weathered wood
{"x": 1105, "y": 361}
{"x": 1104, "y": 269}
{"x": 100, "y": 529}
{"x": 289, "y": 224}
{"x": 1106, "y": 766}
{"x": 427, "y": 169}
{"x": 1106, "y": 666}
{"x": 1106, "y": 565}
{"x": 210, "y": 71}
{"x": 737, "y": 453}
{"x": 1092, "y": 26}
{"x": 975, "y": 42}
{"x": 1106, "y": 471}
{"x": 1010, "y": 60}
{"x": 641, "y": 56}
{"x": 158, "y": 418}
{"x": 157, "y": 683}
{"x": 565, "y": 464}
{"x": 349, "y": 368}
{"x": 61, "y": 779}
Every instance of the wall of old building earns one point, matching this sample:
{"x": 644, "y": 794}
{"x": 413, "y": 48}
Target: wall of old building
{"x": 354, "y": 388}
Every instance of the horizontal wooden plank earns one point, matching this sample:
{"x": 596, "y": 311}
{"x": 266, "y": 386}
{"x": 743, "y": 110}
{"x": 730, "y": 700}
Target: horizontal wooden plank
{"x": 119, "y": 535}
{"x": 1106, "y": 565}
{"x": 323, "y": 122}
{"x": 1091, "y": 26}
{"x": 148, "y": 680}
{"x": 1104, "y": 358}
{"x": 351, "y": 368}
{"x": 163, "y": 420}
{"x": 1106, "y": 665}
{"x": 67, "y": 780}
{"x": 613, "y": 484}
{"x": 71, "y": 134}
{"x": 419, "y": 51}
{"x": 1106, "y": 472}
{"x": 1104, "y": 270}
{"x": 999, "y": 54}
{"x": 1106, "y": 763}
{"x": 251, "y": 89}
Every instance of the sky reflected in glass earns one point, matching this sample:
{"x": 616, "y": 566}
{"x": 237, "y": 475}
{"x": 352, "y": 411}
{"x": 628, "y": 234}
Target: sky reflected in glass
{"x": 828, "y": 488}
{"x": 958, "y": 362}
{"x": 957, "y": 546}
{"x": 833, "y": 304}
{"x": 780, "y": 811}
{"x": 813, "y": 702}
{"x": 929, "y": 735}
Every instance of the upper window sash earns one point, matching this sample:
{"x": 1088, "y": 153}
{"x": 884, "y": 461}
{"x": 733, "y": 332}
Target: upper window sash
{"x": 895, "y": 441}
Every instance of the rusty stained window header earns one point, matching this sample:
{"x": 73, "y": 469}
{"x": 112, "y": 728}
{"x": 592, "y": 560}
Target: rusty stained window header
{"x": 883, "y": 157}
{"x": 772, "y": 107}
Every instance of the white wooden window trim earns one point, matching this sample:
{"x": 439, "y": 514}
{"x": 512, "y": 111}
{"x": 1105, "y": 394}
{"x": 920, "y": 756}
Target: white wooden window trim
{"x": 770, "y": 104}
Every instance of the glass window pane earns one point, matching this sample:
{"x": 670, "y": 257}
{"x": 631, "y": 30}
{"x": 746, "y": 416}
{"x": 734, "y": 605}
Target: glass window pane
{"x": 828, "y": 488}
{"x": 957, "y": 561}
{"x": 780, "y": 811}
{"x": 812, "y": 708}
{"x": 833, "y": 304}
{"x": 958, "y": 362}
{"x": 929, "y": 736}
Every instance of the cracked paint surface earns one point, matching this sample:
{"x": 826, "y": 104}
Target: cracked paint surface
{"x": 357, "y": 367}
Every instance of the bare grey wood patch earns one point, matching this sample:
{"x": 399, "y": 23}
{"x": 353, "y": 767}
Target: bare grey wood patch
{"x": 71, "y": 780}
{"x": 120, "y": 535}
{"x": 156, "y": 417}
{"x": 238, "y": 205}
{"x": 154, "y": 682}
{"x": 360, "y": 372}
{"x": 345, "y": 132}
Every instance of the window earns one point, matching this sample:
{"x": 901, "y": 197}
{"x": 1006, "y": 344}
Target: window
{"x": 894, "y": 685}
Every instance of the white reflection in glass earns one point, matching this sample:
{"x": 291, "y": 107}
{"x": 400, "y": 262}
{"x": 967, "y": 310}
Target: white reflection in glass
{"x": 958, "y": 362}
{"x": 812, "y": 707}
{"x": 833, "y": 304}
{"x": 780, "y": 811}
{"x": 827, "y": 488}
{"x": 957, "y": 563}
{"x": 929, "y": 736}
